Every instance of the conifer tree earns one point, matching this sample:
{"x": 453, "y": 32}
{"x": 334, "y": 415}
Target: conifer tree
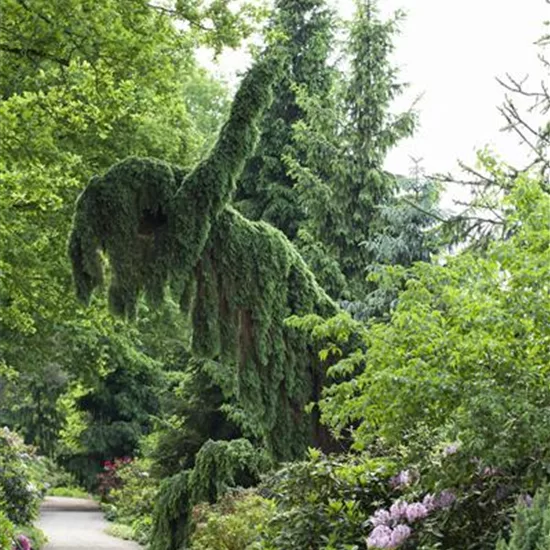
{"x": 343, "y": 183}
{"x": 266, "y": 188}
{"x": 237, "y": 282}
{"x": 369, "y": 134}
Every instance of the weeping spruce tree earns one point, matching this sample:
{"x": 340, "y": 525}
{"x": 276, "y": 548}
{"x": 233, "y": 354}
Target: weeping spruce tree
{"x": 237, "y": 281}
{"x": 266, "y": 188}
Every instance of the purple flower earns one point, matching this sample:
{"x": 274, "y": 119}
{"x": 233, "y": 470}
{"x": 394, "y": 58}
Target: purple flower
{"x": 400, "y": 534}
{"x": 398, "y": 510}
{"x": 429, "y": 502}
{"x": 380, "y": 517}
{"x": 445, "y": 499}
{"x": 415, "y": 511}
{"x": 380, "y": 537}
{"x": 23, "y": 543}
{"x": 526, "y": 500}
{"x": 402, "y": 479}
{"x": 451, "y": 449}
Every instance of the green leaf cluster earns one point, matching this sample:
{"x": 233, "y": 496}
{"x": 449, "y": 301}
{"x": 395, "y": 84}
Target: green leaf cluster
{"x": 84, "y": 84}
{"x": 233, "y": 523}
{"x": 461, "y": 364}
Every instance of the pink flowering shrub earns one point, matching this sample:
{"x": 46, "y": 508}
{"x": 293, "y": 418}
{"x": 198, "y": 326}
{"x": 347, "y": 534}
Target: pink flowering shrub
{"x": 393, "y": 527}
{"x": 450, "y": 501}
{"x": 110, "y": 479}
{"x": 22, "y": 542}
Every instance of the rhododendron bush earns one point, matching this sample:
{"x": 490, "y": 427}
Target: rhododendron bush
{"x": 19, "y": 493}
{"x": 455, "y": 388}
{"x": 21, "y": 488}
{"x": 128, "y": 495}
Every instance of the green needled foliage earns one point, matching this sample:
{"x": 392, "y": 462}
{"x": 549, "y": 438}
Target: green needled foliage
{"x": 152, "y": 224}
{"x": 337, "y": 161}
{"x": 219, "y": 465}
{"x": 266, "y": 189}
{"x": 531, "y": 528}
{"x": 171, "y": 520}
{"x": 124, "y": 212}
{"x": 249, "y": 280}
{"x": 240, "y": 279}
{"x": 237, "y": 281}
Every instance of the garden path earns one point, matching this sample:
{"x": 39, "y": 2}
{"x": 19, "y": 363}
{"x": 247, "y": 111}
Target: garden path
{"x": 77, "y": 524}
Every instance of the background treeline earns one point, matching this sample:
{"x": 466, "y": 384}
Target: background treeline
{"x": 433, "y": 395}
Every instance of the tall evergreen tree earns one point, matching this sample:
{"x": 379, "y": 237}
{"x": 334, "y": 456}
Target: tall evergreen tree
{"x": 408, "y": 230}
{"x": 342, "y": 183}
{"x": 266, "y": 189}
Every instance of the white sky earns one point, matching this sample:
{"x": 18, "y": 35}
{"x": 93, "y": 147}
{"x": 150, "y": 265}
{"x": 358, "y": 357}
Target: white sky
{"x": 451, "y": 51}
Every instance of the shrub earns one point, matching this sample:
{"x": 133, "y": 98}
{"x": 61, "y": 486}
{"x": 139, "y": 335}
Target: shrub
{"x": 136, "y": 494}
{"x": 7, "y": 530}
{"x": 53, "y": 476}
{"x": 129, "y": 495}
{"x": 235, "y": 522}
{"x": 219, "y": 466}
{"x": 109, "y": 479}
{"x": 28, "y": 537}
{"x": 326, "y": 501}
{"x": 19, "y": 491}
{"x": 344, "y": 502}
{"x": 142, "y": 528}
{"x": 120, "y": 531}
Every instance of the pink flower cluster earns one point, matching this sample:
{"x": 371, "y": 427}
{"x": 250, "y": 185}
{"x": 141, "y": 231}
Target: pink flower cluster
{"x": 386, "y": 537}
{"x": 110, "y": 478}
{"x": 390, "y": 526}
{"x": 402, "y": 479}
{"x": 22, "y": 543}
{"x": 109, "y": 465}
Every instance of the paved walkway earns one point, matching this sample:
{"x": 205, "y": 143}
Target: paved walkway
{"x": 77, "y": 524}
